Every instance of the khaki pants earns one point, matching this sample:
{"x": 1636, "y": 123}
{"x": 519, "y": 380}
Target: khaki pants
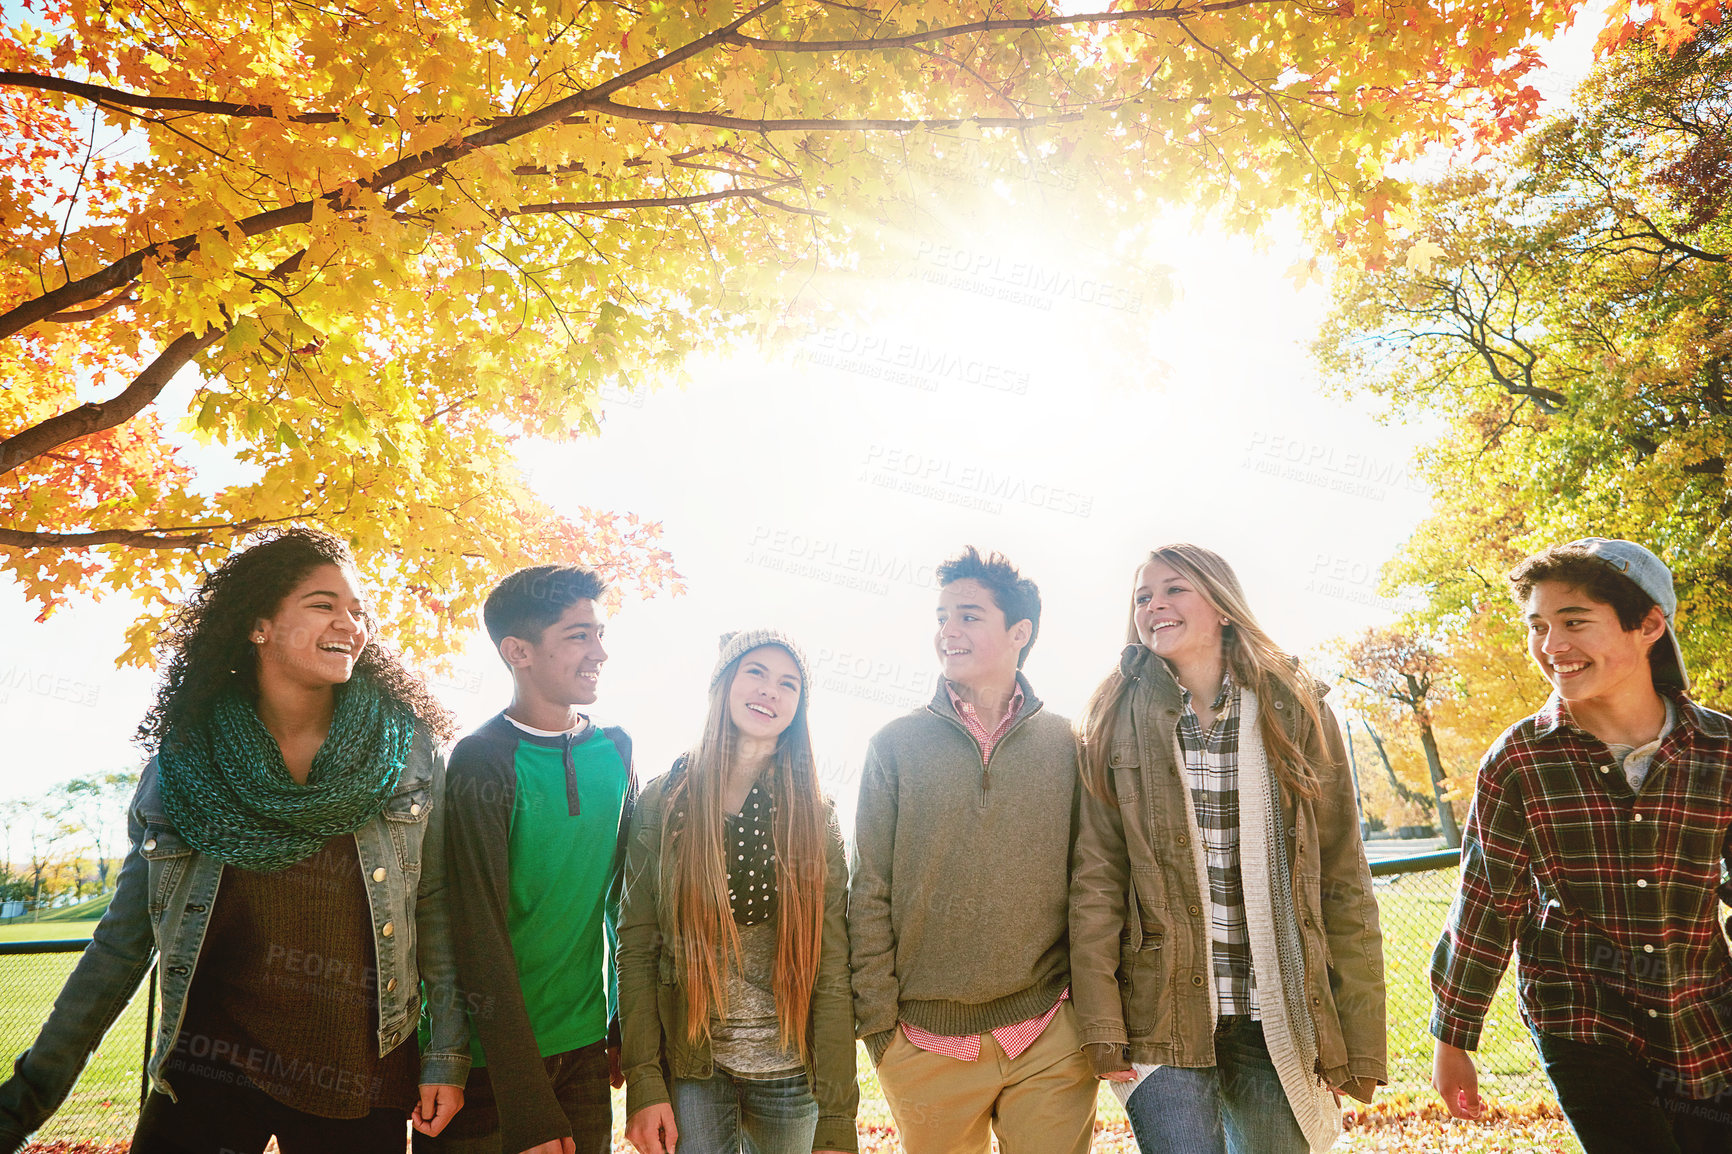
{"x": 1042, "y": 1102}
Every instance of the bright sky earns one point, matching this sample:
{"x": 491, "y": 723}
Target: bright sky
{"x": 1012, "y": 389}
{"x": 816, "y": 491}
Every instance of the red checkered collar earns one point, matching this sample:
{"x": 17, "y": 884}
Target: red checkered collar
{"x": 965, "y": 710}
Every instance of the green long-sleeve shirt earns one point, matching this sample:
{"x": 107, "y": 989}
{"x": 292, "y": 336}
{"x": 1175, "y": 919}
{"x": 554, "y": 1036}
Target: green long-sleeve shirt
{"x": 535, "y": 844}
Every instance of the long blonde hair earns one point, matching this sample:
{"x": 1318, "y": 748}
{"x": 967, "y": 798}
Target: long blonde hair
{"x": 703, "y": 918}
{"x": 1255, "y": 661}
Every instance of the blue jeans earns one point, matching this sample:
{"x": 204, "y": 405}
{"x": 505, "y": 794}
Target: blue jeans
{"x": 1616, "y": 1104}
{"x": 1236, "y": 1106}
{"x": 722, "y": 1114}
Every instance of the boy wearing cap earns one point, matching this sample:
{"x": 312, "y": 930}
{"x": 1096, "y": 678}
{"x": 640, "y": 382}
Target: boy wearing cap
{"x": 1595, "y": 847}
{"x": 958, "y": 911}
{"x": 535, "y": 850}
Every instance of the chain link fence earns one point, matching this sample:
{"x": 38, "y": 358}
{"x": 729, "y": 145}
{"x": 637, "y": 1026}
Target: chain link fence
{"x": 103, "y": 1106}
{"x": 1413, "y": 897}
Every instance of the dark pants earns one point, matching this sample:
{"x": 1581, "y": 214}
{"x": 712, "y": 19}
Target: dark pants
{"x": 579, "y": 1079}
{"x": 236, "y": 1117}
{"x": 1617, "y": 1104}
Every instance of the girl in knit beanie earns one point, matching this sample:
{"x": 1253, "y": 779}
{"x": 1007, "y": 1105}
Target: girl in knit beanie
{"x": 736, "y": 1016}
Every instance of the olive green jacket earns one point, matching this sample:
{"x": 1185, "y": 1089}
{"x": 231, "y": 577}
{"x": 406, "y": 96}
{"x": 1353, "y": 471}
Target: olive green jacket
{"x": 652, "y": 999}
{"x": 1140, "y": 952}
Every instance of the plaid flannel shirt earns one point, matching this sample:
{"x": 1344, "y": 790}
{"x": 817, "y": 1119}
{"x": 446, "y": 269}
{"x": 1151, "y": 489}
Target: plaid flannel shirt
{"x": 1609, "y": 896}
{"x": 1212, "y": 771}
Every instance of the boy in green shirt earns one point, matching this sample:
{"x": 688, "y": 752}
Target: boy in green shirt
{"x": 539, "y": 802}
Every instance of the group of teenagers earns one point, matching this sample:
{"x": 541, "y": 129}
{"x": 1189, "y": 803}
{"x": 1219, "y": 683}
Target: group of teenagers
{"x": 1169, "y": 895}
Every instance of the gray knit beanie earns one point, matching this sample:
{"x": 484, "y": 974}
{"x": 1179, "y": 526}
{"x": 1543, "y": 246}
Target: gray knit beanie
{"x": 736, "y": 645}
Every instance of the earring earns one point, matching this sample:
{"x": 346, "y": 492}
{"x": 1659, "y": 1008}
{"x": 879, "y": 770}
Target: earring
{"x": 258, "y": 639}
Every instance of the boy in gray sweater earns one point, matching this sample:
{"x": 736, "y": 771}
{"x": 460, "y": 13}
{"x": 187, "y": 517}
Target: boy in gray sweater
{"x": 958, "y": 906}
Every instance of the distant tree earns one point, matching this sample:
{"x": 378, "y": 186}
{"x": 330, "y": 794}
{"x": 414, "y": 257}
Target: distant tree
{"x": 14, "y": 816}
{"x": 1439, "y": 698}
{"x": 1386, "y": 796}
{"x": 1567, "y": 314}
{"x": 48, "y": 837}
{"x": 1395, "y": 668}
{"x": 96, "y": 807}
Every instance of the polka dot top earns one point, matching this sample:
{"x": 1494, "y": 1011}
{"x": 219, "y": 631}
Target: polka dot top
{"x": 748, "y": 840}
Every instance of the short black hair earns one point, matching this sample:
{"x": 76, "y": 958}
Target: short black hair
{"x": 527, "y": 602}
{"x": 1016, "y": 596}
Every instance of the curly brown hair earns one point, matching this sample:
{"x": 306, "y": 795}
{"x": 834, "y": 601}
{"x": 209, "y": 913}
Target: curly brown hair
{"x": 207, "y": 651}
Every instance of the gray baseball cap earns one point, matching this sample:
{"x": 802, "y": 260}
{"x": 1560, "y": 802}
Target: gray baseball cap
{"x": 1651, "y": 577}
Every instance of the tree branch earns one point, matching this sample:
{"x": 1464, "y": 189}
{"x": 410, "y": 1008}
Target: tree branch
{"x": 741, "y": 124}
{"x": 120, "y": 99}
{"x": 1033, "y": 24}
{"x": 757, "y": 194}
{"x": 123, "y": 297}
{"x": 95, "y": 416}
{"x": 130, "y": 266}
{"x": 188, "y": 538}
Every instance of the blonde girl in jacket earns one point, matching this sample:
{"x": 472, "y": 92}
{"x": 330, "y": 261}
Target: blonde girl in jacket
{"x": 737, "y": 1020}
{"x": 1226, "y": 960}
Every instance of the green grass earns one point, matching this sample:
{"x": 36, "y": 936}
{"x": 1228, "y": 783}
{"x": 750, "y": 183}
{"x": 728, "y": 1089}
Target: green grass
{"x": 46, "y": 931}
{"x": 1414, "y": 908}
{"x": 90, "y": 909}
{"x": 103, "y": 1104}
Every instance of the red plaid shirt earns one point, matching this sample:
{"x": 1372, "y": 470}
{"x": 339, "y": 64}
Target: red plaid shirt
{"x": 1610, "y": 897}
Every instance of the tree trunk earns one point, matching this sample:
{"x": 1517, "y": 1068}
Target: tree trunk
{"x": 1401, "y": 788}
{"x": 1445, "y": 812}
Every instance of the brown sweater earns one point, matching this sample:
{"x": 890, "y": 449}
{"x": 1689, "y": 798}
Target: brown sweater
{"x": 958, "y": 906}
{"x": 286, "y": 991}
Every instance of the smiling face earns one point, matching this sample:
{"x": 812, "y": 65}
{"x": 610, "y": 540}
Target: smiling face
{"x": 1173, "y": 617}
{"x": 562, "y": 667}
{"x": 317, "y": 632}
{"x": 765, "y": 693}
{"x": 976, "y": 646}
{"x": 1583, "y": 649}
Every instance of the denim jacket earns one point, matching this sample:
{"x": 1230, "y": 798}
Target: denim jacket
{"x": 163, "y": 902}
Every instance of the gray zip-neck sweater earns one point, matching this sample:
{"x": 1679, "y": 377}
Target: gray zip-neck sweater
{"x": 958, "y": 907}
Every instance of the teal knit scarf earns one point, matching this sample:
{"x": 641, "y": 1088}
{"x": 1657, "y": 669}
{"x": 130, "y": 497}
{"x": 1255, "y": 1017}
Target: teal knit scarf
{"x": 229, "y": 794}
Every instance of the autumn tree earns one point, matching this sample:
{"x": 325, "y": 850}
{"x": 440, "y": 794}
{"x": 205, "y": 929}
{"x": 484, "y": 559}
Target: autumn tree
{"x": 1436, "y": 698}
{"x": 1401, "y": 673}
{"x": 385, "y": 241}
{"x": 1568, "y": 313}
{"x": 1386, "y": 798}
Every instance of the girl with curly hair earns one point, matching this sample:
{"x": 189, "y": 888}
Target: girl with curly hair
{"x": 286, "y": 863}
{"x": 737, "y": 1022}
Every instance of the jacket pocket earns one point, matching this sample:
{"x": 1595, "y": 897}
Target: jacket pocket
{"x": 168, "y": 856}
{"x": 1125, "y": 765}
{"x": 1144, "y": 970}
{"x": 1143, "y": 981}
{"x": 405, "y": 817}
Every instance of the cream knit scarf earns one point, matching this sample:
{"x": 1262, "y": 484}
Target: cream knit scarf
{"x": 1277, "y": 958}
